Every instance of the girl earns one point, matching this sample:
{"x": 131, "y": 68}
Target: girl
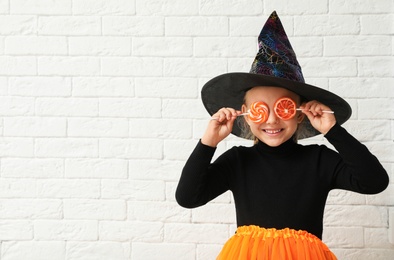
{"x": 279, "y": 187}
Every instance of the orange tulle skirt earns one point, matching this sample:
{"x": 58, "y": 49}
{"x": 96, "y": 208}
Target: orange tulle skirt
{"x": 253, "y": 242}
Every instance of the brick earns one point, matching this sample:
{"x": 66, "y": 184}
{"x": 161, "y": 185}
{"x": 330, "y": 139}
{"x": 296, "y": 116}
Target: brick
{"x": 166, "y": 87}
{"x": 69, "y": 25}
{"x": 45, "y": 250}
{"x": 168, "y": 128}
{"x": 132, "y": 66}
{"x": 31, "y": 209}
{"x": 151, "y": 169}
{"x": 326, "y": 25}
{"x": 171, "y": 190}
{"x": 363, "y": 87}
{"x": 158, "y": 212}
{"x": 224, "y": 47}
{"x": 35, "y": 126}
{"x": 16, "y": 106}
{"x": 75, "y": 230}
{"x": 375, "y": 67}
{"x": 66, "y": 147}
{"x": 16, "y": 147}
{"x": 199, "y": 127}
{"x": 17, "y": 25}
{"x": 133, "y": 190}
{"x": 377, "y": 24}
{"x": 122, "y": 231}
{"x": 208, "y": 67}
{"x": 4, "y": 7}
{"x": 375, "y": 108}
{"x": 96, "y": 168}
{"x": 163, "y": 251}
{"x": 329, "y": 67}
{"x": 68, "y": 188}
{"x": 18, "y": 66}
{"x": 102, "y": 87}
{"x": 47, "y": 106}
{"x": 3, "y": 85}
{"x": 196, "y": 26}
{"x": 370, "y": 216}
{"x": 35, "y": 45}
{"x": 377, "y": 238}
{"x": 208, "y": 251}
{"x": 2, "y": 45}
{"x": 336, "y": 237}
{"x": 43, "y": 7}
{"x": 133, "y": 25}
{"x": 68, "y": 66}
{"x": 99, "y": 46}
{"x": 291, "y": 7}
{"x": 359, "y": 7}
{"x": 167, "y": 8}
{"x": 308, "y": 46}
{"x": 357, "y": 46}
{"x": 391, "y": 226}
{"x": 97, "y": 127}
{"x": 16, "y": 230}
{"x": 162, "y": 47}
{"x": 184, "y": 108}
{"x": 17, "y": 188}
{"x": 100, "y": 250}
{"x": 94, "y": 209}
{"x": 251, "y": 26}
{"x": 31, "y": 168}
{"x": 102, "y": 7}
{"x": 194, "y": 233}
{"x": 363, "y": 254}
{"x": 239, "y": 64}
{"x": 222, "y": 7}
{"x": 40, "y": 86}
{"x": 130, "y": 107}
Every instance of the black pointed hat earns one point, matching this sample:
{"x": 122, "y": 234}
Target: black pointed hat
{"x": 275, "y": 65}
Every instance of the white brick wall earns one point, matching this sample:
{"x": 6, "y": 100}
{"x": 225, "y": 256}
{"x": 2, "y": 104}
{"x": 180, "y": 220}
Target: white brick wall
{"x": 100, "y": 108}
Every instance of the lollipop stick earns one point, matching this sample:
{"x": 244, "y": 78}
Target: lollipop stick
{"x": 243, "y": 114}
{"x": 324, "y": 111}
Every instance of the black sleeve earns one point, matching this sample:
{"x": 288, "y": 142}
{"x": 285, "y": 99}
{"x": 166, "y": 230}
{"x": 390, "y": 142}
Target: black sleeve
{"x": 200, "y": 180}
{"x": 359, "y": 170}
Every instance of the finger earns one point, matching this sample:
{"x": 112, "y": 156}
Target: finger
{"x": 228, "y": 113}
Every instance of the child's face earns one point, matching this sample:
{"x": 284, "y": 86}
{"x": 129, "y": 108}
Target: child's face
{"x": 274, "y": 131}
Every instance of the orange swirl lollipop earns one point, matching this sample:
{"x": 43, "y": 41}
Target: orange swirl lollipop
{"x": 258, "y": 112}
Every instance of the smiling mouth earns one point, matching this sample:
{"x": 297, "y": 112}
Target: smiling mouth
{"x": 273, "y": 131}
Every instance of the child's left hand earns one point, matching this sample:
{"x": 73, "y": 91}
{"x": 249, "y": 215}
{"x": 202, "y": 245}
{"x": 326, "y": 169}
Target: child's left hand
{"x": 320, "y": 120}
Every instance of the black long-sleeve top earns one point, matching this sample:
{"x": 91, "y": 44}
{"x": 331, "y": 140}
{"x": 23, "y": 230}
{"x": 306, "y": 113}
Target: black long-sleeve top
{"x": 284, "y": 186}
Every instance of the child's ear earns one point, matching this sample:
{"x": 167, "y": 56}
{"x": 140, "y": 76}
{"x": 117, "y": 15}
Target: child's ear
{"x": 244, "y": 109}
{"x": 300, "y": 117}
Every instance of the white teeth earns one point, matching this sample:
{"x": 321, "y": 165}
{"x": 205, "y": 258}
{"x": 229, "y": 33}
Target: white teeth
{"x": 269, "y": 131}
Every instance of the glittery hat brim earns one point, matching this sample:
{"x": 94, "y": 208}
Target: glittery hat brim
{"x": 228, "y": 90}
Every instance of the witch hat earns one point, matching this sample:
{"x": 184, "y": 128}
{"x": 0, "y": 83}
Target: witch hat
{"x": 275, "y": 65}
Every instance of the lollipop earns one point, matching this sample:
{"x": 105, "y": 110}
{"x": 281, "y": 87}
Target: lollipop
{"x": 285, "y": 108}
{"x": 258, "y": 112}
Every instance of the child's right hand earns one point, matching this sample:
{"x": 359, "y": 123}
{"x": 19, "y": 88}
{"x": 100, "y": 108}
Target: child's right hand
{"x": 220, "y": 126}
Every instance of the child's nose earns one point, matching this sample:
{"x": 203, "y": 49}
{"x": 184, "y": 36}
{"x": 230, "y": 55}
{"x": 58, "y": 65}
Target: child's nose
{"x": 272, "y": 118}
